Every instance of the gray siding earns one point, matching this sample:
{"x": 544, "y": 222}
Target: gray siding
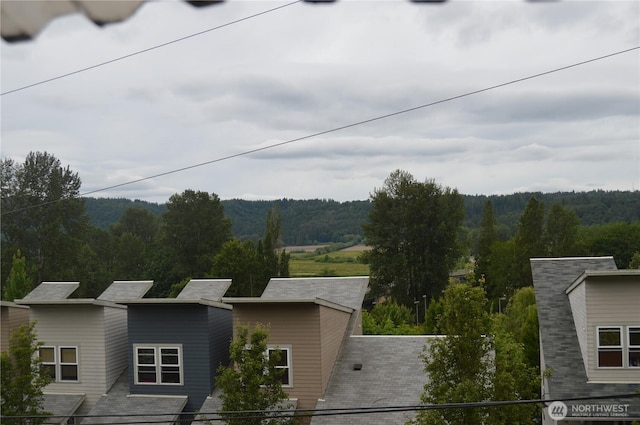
{"x": 177, "y": 324}
{"x": 578, "y": 301}
{"x": 115, "y": 338}
{"x": 12, "y": 317}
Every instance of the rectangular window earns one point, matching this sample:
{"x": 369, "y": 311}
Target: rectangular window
{"x": 283, "y": 363}
{"x": 61, "y": 362}
{"x": 610, "y": 346}
{"x": 48, "y": 360}
{"x": 158, "y": 365}
{"x": 634, "y": 346}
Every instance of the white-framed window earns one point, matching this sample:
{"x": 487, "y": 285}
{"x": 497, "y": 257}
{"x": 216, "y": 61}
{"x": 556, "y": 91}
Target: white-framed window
{"x": 283, "y": 363}
{"x": 633, "y": 342}
{"x": 610, "y": 346}
{"x": 61, "y": 362}
{"x": 158, "y": 364}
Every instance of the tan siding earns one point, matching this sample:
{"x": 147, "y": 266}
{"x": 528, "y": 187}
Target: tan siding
{"x": 613, "y": 302}
{"x": 333, "y": 325}
{"x": 11, "y": 318}
{"x": 115, "y": 334}
{"x": 298, "y": 326}
{"x": 81, "y": 326}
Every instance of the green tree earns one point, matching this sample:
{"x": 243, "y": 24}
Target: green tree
{"x": 514, "y": 379}
{"x": 195, "y": 228}
{"x": 635, "y": 261}
{"x": 42, "y": 215}
{"x": 529, "y": 242}
{"x": 521, "y": 321}
{"x": 23, "y": 378}
{"x": 238, "y": 261}
{"x": 253, "y": 381}
{"x": 459, "y": 365}
{"x": 18, "y": 284}
{"x": 488, "y": 235}
{"x": 390, "y": 318}
{"x": 561, "y": 231}
{"x": 412, "y": 231}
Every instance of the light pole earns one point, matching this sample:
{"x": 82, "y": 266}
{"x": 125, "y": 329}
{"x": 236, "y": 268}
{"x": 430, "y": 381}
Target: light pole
{"x": 416, "y": 304}
{"x": 500, "y": 304}
{"x": 424, "y": 297}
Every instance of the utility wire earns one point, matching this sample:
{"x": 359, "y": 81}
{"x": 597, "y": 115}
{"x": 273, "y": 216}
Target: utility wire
{"x": 343, "y": 127}
{"x": 274, "y": 414}
{"x": 150, "y": 48}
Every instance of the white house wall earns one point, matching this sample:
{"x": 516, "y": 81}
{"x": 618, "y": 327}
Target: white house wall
{"x": 578, "y": 301}
{"x": 79, "y": 326}
{"x": 115, "y": 337}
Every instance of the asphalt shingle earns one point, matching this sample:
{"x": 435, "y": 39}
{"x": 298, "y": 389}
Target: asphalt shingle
{"x": 344, "y": 291}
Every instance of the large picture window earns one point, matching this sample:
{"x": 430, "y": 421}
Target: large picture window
{"x": 61, "y": 362}
{"x": 283, "y": 363}
{"x": 159, "y": 365}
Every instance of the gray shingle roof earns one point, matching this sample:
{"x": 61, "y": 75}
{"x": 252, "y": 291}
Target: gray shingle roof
{"x": 344, "y": 291}
{"x": 52, "y": 291}
{"x": 126, "y": 290}
{"x": 61, "y": 406}
{"x": 392, "y": 374}
{"x": 161, "y": 410}
{"x": 208, "y": 289}
{"x": 559, "y": 339}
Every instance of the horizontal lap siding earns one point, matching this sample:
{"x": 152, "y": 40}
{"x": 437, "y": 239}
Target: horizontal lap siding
{"x": 298, "y": 326}
{"x": 81, "y": 326}
{"x": 185, "y": 324}
{"x": 115, "y": 336}
{"x": 12, "y": 318}
{"x": 333, "y": 327}
{"x": 221, "y": 326}
{"x": 613, "y": 303}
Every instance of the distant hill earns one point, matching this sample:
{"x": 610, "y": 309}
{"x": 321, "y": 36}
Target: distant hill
{"x": 318, "y": 221}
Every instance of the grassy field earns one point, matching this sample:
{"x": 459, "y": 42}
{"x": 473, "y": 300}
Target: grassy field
{"x": 339, "y": 263}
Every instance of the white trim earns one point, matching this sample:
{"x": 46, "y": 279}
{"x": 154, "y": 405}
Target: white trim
{"x": 286, "y": 350}
{"x": 58, "y": 363}
{"x": 630, "y": 347}
{"x": 157, "y": 364}
{"x": 609, "y": 348}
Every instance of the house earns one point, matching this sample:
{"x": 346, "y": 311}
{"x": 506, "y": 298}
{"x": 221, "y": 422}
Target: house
{"x": 589, "y": 315}
{"x": 308, "y": 321}
{"x": 84, "y": 342}
{"x": 174, "y": 348}
{"x": 12, "y": 316}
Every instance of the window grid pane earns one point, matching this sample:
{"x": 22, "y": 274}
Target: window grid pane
{"x": 609, "y": 337}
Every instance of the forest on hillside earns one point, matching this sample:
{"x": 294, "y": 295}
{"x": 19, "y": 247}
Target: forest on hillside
{"x": 321, "y": 221}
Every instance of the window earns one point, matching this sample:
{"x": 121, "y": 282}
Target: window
{"x": 61, "y": 362}
{"x": 610, "y": 346}
{"x": 634, "y": 346}
{"x": 283, "y": 363}
{"x": 158, "y": 365}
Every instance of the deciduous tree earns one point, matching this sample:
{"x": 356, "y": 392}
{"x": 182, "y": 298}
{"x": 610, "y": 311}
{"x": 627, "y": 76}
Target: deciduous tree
{"x": 18, "y": 284}
{"x": 23, "y": 379}
{"x": 42, "y": 215}
{"x": 412, "y": 231}
{"x": 252, "y": 381}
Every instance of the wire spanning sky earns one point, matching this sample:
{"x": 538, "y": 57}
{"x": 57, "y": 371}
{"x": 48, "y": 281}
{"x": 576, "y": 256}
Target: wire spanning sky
{"x": 305, "y": 69}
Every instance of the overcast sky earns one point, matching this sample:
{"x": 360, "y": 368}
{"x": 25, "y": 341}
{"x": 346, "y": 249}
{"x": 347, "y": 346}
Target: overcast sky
{"x": 305, "y": 69}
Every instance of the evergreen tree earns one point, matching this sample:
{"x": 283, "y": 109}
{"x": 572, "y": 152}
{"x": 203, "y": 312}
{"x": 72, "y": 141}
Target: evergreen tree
{"x": 561, "y": 231}
{"x": 23, "y": 378}
{"x": 18, "y": 284}
{"x": 252, "y": 381}
{"x": 529, "y": 242}
{"x": 488, "y": 235}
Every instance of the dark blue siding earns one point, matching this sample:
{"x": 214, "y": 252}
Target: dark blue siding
{"x": 221, "y": 326}
{"x": 188, "y": 325}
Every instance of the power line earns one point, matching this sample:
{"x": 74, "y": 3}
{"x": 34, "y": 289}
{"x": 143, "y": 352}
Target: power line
{"x": 343, "y": 127}
{"x": 274, "y": 414}
{"x": 150, "y": 48}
